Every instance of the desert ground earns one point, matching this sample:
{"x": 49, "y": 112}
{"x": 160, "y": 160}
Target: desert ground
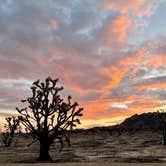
{"x": 93, "y": 148}
{"x": 89, "y": 164}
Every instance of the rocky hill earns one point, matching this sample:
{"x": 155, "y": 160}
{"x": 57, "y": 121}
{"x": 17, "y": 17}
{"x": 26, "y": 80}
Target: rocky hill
{"x": 145, "y": 121}
{"x": 142, "y": 121}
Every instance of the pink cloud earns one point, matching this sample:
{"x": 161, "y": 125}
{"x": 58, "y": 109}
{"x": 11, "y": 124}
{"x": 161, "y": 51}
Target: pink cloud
{"x": 116, "y": 30}
{"x": 139, "y": 7}
{"x": 156, "y": 61}
{"x": 53, "y": 24}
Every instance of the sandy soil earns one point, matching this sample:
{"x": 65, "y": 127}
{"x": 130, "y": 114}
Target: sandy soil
{"x": 93, "y": 149}
{"x": 90, "y": 164}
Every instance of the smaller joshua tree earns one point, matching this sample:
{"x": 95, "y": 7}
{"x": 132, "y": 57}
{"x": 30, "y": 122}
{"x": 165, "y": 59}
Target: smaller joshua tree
{"x": 47, "y": 116}
{"x": 160, "y": 114}
{"x": 11, "y": 127}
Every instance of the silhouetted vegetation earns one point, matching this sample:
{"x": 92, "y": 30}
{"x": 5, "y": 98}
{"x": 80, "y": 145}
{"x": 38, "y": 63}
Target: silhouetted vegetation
{"x": 161, "y": 117}
{"x": 47, "y": 116}
{"x": 11, "y": 127}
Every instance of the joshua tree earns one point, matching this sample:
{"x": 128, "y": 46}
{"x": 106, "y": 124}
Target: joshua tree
{"x": 11, "y": 127}
{"x": 160, "y": 114}
{"x": 47, "y": 116}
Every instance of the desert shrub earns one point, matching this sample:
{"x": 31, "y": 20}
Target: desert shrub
{"x": 160, "y": 115}
{"x": 11, "y": 126}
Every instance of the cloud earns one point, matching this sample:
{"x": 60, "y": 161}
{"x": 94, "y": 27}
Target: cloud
{"x": 119, "y": 106}
{"x": 156, "y": 61}
{"x": 138, "y": 7}
{"x": 116, "y": 30}
{"x": 157, "y": 85}
{"x": 88, "y": 46}
{"x": 54, "y": 24}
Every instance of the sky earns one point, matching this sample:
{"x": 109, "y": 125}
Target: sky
{"x": 110, "y": 55}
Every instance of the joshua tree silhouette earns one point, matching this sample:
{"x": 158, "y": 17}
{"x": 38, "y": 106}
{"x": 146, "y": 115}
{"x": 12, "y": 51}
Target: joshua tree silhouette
{"x": 11, "y": 127}
{"x": 160, "y": 114}
{"x": 47, "y": 116}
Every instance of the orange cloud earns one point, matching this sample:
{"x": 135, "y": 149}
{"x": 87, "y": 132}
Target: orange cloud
{"x": 120, "y": 26}
{"x": 156, "y": 61}
{"x": 134, "y": 59}
{"x": 53, "y": 24}
{"x": 130, "y": 98}
{"x": 138, "y": 7}
{"x": 101, "y": 108}
{"x": 70, "y": 82}
{"x": 144, "y": 105}
{"x": 154, "y": 85}
{"x": 94, "y": 108}
{"x": 124, "y": 6}
{"x": 115, "y": 75}
{"x": 118, "y": 72}
{"x": 117, "y": 29}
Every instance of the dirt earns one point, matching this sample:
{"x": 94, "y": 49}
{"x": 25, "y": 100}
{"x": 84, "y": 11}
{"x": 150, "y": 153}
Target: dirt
{"x": 88, "y": 164}
{"x": 92, "y": 149}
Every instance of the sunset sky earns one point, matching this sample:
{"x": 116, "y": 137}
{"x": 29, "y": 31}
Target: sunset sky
{"x": 110, "y": 55}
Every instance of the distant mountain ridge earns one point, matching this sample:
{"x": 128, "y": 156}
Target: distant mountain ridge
{"x": 136, "y": 122}
{"x": 142, "y": 121}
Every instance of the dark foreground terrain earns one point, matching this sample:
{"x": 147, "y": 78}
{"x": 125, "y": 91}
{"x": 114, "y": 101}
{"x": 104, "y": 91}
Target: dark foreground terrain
{"x": 86, "y": 164}
{"x": 133, "y": 146}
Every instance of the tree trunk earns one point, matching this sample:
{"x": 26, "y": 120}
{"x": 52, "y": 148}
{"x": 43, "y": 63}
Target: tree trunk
{"x": 164, "y": 139}
{"x": 44, "y": 152}
{"x": 8, "y": 142}
{"x": 164, "y": 136}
